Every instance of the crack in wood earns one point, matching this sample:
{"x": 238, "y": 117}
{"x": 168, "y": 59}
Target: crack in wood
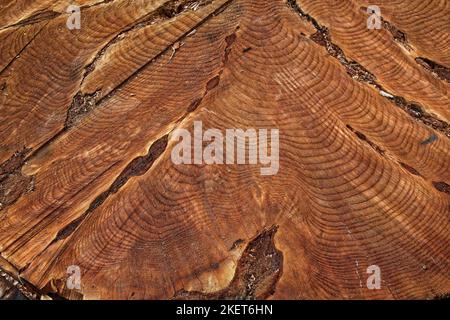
{"x": 435, "y": 68}
{"x": 81, "y": 105}
{"x": 12, "y": 288}
{"x": 136, "y": 167}
{"x": 442, "y": 187}
{"x": 398, "y": 35}
{"x": 257, "y": 273}
{"x": 439, "y": 71}
{"x": 163, "y": 52}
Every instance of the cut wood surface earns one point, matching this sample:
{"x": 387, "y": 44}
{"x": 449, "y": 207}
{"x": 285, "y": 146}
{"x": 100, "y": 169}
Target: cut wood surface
{"x": 87, "y": 130}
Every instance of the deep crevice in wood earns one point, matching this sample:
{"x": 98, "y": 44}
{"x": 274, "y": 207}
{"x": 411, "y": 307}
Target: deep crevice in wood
{"x": 47, "y": 15}
{"x": 14, "y": 184}
{"x": 16, "y": 289}
{"x": 258, "y": 270}
{"x": 363, "y": 137}
{"x": 397, "y": 34}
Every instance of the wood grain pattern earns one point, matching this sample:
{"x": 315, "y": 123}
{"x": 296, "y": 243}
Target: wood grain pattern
{"x": 88, "y": 120}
